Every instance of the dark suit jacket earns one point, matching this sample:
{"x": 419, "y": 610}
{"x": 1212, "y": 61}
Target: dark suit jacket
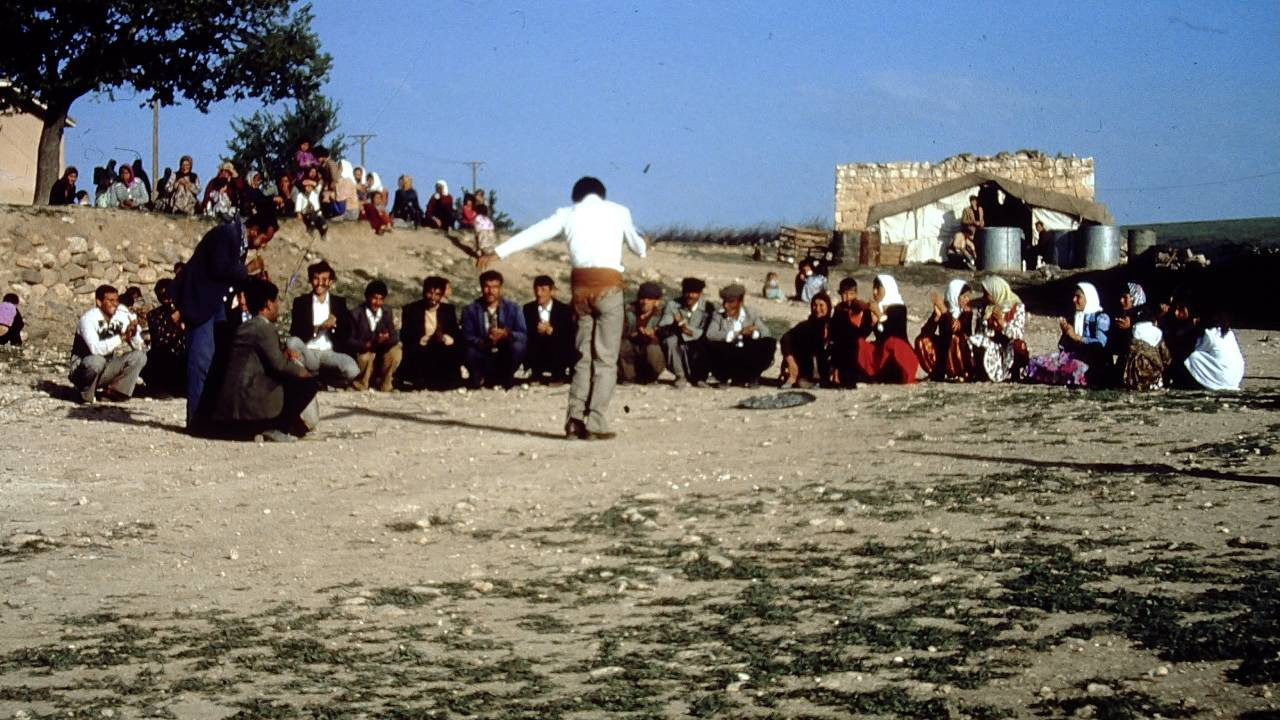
{"x": 411, "y": 324}
{"x": 252, "y": 389}
{"x": 361, "y": 333}
{"x": 509, "y": 316}
{"x": 562, "y": 325}
{"x": 216, "y": 265}
{"x": 303, "y": 325}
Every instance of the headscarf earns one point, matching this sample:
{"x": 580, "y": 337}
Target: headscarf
{"x": 1003, "y": 298}
{"x": 1137, "y": 295}
{"x": 891, "y": 295}
{"x": 348, "y": 170}
{"x": 954, "y": 289}
{"x": 442, "y": 189}
{"x": 1092, "y": 304}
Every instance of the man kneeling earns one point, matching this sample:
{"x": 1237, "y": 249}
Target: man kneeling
{"x": 106, "y": 353}
{"x": 266, "y": 391}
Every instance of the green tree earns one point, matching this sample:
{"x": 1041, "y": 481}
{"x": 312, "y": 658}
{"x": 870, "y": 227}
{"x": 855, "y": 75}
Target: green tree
{"x": 267, "y": 142}
{"x": 201, "y": 51}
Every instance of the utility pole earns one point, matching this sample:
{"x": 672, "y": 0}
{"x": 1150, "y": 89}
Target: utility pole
{"x": 363, "y": 138}
{"x": 474, "y": 165}
{"x": 155, "y": 143}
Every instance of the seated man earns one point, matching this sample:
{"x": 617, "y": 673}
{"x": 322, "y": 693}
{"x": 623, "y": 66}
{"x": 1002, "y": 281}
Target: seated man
{"x": 738, "y": 339}
{"x": 166, "y": 369}
{"x": 495, "y": 335}
{"x": 431, "y": 339}
{"x": 320, "y": 331}
{"x": 640, "y": 356}
{"x": 683, "y": 328}
{"x": 552, "y": 353}
{"x": 375, "y": 340}
{"x": 11, "y": 322}
{"x": 851, "y": 324}
{"x": 264, "y": 391}
{"x": 106, "y": 353}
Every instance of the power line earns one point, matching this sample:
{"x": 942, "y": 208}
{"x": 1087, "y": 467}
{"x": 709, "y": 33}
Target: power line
{"x": 363, "y": 138}
{"x": 1193, "y": 185}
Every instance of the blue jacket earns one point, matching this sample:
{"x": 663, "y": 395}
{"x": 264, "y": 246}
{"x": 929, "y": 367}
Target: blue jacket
{"x": 509, "y": 317}
{"x": 215, "y": 266}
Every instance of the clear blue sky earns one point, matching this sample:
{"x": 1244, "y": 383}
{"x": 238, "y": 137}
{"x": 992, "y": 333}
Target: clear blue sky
{"x": 741, "y": 110}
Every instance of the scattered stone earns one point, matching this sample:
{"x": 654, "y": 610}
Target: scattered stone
{"x": 719, "y": 561}
{"x": 606, "y": 672}
{"x": 482, "y": 586}
{"x": 1099, "y": 690}
{"x": 234, "y": 554}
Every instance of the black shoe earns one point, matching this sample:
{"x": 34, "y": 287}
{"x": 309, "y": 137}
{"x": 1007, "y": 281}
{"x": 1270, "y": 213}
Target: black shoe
{"x": 576, "y": 430}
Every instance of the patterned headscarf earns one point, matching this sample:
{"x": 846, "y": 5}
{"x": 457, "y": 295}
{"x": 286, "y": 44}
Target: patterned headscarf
{"x": 1003, "y": 298}
{"x": 1137, "y": 295}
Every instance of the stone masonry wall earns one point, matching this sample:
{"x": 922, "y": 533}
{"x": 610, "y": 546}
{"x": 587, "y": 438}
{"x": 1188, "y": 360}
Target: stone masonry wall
{"x": 861, "y": 185}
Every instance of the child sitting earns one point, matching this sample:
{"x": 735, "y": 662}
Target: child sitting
{"x": 486, "y": 237}
{"x": 772, "y": 290}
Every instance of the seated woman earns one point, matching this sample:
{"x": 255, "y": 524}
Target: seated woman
{"x": 851, "y": 324}
{"x": 63, "y": 191}
{"x": 467, "y": 220}
{"x": 283, "y": 199}
{"x": 375, "y": 212}
{"x": 1137, "y": 343}
{"x": 220, "y": 198}
{"x": 128, "y": 193}
{"x": 440, "y": 208}
{"x": 890, "y": 358}
{"x": 943, "y": 343}
{"x": 362, "y": 184}
{"x": 1000, "y": 347}
{"x": 1082, "y": 359}
{"x": 180, "y": 192}
{"x": 1216, "y": 363}
{"x": 806, "y": 359}
{"x": 405, "y": 209}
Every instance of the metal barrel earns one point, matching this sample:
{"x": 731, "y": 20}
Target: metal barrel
{"x": 999, "y": 248}
{"x": 1097, "y": 247}
{"x": 1140, "y": 241}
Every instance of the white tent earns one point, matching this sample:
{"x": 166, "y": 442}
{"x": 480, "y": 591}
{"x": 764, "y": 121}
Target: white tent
{"x": 926, "y": 221}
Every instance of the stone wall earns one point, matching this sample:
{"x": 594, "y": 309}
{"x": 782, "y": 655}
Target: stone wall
{"x": 861, "y": 185}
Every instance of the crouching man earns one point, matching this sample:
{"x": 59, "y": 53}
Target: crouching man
{"x": 106, "y": 353}
{"x": 266, "y": 391}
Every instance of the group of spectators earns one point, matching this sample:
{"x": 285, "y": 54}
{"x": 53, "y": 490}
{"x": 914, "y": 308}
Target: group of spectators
{"x": 317, "y": 190}
{"x": 976, "y": 332}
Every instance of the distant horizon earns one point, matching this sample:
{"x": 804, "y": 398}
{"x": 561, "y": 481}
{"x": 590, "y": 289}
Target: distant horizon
{"x": 705, "y": 117}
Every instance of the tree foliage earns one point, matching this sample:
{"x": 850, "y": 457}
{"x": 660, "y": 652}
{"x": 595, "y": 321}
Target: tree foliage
{"x": 201, "y": 51}
{"x": 266, "y": 142}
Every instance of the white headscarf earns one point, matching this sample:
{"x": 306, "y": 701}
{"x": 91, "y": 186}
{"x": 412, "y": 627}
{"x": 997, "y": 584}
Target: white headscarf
{"x": 954, "y": 290}
{"x": 374, "y": 182}
{"x": 348, "y": 171}
{"x": 1092, "y": 304}
{"x": 891, "y": 294}
{"x": 442, "y": 188}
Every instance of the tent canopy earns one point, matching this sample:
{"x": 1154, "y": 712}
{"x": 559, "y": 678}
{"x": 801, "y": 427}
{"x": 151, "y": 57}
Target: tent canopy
{"x": 925, "y": 221}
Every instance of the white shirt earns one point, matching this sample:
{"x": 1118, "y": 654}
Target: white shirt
{"x": 102, "y": 335}
{"x": 594, "y": 228}
{"x": 1217, "y": 362}
{"x": 544, "y": 313}
{"x": 319, "y": 314}
{"x": 306, "y": 202}
{"x": 373, "y": 318}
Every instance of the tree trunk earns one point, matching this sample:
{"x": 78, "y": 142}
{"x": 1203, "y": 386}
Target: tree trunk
{"x": 49, "y": 154}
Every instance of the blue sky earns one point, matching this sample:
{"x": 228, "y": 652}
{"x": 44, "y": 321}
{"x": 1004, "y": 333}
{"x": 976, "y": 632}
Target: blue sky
{"x": 740, "y": 111}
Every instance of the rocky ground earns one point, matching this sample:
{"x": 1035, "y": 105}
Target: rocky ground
{"x": 927, "y": 551}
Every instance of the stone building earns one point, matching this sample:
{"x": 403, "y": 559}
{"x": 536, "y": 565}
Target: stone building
{"x": 20, "y": 128}
{"x": 859, "y": 186}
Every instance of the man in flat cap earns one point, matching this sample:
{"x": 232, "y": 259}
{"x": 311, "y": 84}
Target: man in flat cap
{"x": 741, "y": 349}
{"x": 640, "y": 359}
{"x": 683, "y": 329}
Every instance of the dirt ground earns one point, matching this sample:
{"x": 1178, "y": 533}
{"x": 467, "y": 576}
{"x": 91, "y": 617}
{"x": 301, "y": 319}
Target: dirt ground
{"x": 934, "y": 551}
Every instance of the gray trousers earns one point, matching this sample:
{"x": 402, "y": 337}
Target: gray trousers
{"x": 330, "y": 361}
{"x": 118, "y": 372}
{"x": 599, "y": 339}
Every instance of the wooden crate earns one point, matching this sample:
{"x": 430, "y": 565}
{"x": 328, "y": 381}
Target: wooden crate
{"x": 796, "y": 243}
{"x": 892, "y": 254}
